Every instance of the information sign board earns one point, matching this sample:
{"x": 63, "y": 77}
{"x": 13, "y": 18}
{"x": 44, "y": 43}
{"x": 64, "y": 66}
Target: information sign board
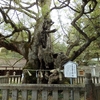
{"x": 70, "y": 69}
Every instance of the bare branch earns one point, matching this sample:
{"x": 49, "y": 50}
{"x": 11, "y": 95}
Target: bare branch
{"x": 88, "y": 40}
{"x": 75, "y": 25}
{"x": 7, "y": 19}
{"x": 25, "y": 11}
{"x": 14, "y": 26}
{"x": 93, "y": 3}
{"x": 63, "y": 5}
{"x": 17, "y": 61}
{"x": 30, "y": 4}
{"x": 73, "y": 9}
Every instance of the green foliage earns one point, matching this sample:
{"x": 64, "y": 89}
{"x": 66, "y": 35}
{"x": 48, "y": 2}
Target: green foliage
{"x": 59, "y": 47}
{"x": 20, "y": 36}
{"x": 9, "y": 54}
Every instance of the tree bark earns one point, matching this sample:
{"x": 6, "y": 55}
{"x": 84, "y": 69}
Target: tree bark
{"x": 39, "y": 59}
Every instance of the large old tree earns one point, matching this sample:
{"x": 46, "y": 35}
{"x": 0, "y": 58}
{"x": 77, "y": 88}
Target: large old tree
{"x": 26, "y": 28}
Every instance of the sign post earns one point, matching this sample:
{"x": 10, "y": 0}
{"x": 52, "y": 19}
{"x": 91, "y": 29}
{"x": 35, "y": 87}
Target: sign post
{"x": 70, "y": 71}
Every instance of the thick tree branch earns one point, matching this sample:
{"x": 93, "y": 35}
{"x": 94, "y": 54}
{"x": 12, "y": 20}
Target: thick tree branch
{"x": 8, "y": 45}
{"x": 84, "y": 46}
{"x": 76, "y": 26}
{"x": 19, "y": 47}
{"x": 71, "y": 46}
{"x": 80, "y": 50}
{"x": 88, "y": 40}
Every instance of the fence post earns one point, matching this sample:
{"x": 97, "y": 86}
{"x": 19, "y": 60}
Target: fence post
{"x": 7, "y": 74}
{"x": 90, "y": 93}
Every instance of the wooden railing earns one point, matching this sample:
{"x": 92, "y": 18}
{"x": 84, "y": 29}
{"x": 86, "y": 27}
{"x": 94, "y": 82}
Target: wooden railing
{"x": 4, "y": 79}
{"x": 81, "y": 79}
{"x": 86, "y": 91}
{"x": 44, "y": 92}
{"x": 10, "y": 79}
{"x": 17, "y": 79}
{"x": 41, "y": 92}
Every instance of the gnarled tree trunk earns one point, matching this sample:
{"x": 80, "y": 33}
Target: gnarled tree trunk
{"x": 40, "y": 55}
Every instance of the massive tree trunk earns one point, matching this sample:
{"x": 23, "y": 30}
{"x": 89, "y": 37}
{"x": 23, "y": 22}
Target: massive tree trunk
{"x": 40, "y": 56}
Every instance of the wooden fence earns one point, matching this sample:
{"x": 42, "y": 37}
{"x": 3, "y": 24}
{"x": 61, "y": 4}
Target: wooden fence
{"x": 17, "y": 79}
{"x": 41, "y": 92}
{"x": 85, "y": 91}
{"x": 81, "y": 79}
{"x": 44, "y": 92}
{"x": 10, "y": 79}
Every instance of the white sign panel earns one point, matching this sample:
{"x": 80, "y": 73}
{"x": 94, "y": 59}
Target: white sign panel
{"x": 70, "y": 70}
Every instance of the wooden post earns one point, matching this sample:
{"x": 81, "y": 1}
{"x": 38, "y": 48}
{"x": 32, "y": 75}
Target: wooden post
{"x": 90, "y": 93}
{"x": 7, "y": 74}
